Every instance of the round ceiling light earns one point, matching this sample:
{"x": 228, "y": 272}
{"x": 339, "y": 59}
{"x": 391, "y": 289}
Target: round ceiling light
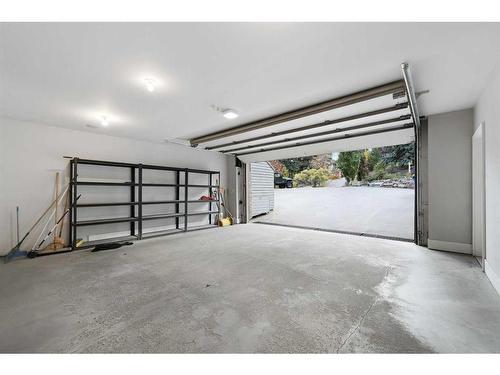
{"x": 230, "y": 114}
{"x": 104, "y": 121}
{"x": 150, "y": 83}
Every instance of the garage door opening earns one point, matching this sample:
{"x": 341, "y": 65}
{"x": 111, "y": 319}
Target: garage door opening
{"x": 368, "y": 192}
{"x": 380, "y": 116}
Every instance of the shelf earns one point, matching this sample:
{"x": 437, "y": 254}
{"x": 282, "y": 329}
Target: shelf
{"x": 155, "y": 184}
{"x": 203, "y": 213}
{"x": 163, "y": 202}
{"x": 143, "y": 166}
{"x": 161, "y": 216}
{"x": 110, "y": 204}
{"x": 162, "y": 168}
{"x": 181, "y": 214}
{"x": 144, "y": 217}
{"x": 174, "y": 177}
{"x": 105, "y": 163}
{"x": 200, "y": 171}
{"x": 106, "y": 204}
{"x": 179, "y": 185}
{"x": 180, "y": 201}
{"x": 106, "y": 221}
{"x": 103, "y": 183}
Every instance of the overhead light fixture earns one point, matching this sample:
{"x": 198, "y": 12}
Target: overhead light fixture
{"x": 230, "y": 114}
{"x": 104, "y": 121}
{"x": 150, "y": 83}
{"x": 178, "y": 141}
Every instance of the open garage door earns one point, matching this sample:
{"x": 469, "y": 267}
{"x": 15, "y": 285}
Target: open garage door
{"x": 376, "y": 117}
{"x": 381, "y": 116}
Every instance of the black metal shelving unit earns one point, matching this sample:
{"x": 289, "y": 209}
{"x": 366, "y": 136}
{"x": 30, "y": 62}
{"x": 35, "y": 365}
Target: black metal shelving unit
{"x": 136, "y": 187}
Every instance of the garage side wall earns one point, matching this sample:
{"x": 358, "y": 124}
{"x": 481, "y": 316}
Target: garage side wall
{"x": 487, "y": 110}
{"x": 450, "y": 181}
{"x": 31, "y": 154}
{"x": 261, "y": 188}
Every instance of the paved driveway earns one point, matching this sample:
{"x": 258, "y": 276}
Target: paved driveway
{"x": 371, "y": 210}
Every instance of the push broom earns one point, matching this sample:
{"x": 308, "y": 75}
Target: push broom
{"x": 18, "y": 246}
{"x": 34, "y": 252}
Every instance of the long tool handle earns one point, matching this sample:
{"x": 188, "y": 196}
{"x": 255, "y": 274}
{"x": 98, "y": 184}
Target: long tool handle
{"x": 19, "y": 243}
{"x": 42, "y": 216}
{"x": 225, "y": 207}
{"x": 48, "y": 221}
{"x": 55, "y": 226}
{"x": 17, "y": 223}
{"x": 56, "y": 194}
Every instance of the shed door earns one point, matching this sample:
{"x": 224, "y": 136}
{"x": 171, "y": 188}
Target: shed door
{"x": 261, "y": 188}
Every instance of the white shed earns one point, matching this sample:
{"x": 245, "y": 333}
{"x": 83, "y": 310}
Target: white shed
{"x": 261, "y": 181}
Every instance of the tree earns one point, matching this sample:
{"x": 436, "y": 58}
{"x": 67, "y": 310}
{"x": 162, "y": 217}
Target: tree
{"x": 279, "y": 167}
{"x": 348, "y": 162}
{"x": 311, "y": 177}
{"x": 322, "y": 161}
{"x": 375, "y": 156}
{"x": 363, "y": 168}
{"x": 399, "y": 155}
{"x": 296, "y": 165}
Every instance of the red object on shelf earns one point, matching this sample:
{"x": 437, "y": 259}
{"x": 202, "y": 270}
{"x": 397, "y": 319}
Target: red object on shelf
{"x": 206, "y": 198}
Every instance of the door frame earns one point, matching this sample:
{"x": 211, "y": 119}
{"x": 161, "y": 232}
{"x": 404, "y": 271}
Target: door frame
{"x": 479, "y": 133}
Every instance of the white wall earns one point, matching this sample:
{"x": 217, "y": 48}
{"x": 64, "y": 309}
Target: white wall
{"x": 30, "y": 155}
{"x": 487, "y": 109}
{"x": 450, "y": 181}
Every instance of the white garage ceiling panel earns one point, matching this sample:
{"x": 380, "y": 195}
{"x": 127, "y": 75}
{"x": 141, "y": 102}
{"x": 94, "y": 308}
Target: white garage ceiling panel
{"x": 375, "y": 117}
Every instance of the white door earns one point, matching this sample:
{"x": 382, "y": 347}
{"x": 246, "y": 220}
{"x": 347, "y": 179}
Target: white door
{"x": 478, "y": 224}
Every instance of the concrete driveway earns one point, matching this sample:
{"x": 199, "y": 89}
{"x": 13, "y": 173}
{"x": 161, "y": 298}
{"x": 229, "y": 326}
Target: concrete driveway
{"x": 370, "y": 210}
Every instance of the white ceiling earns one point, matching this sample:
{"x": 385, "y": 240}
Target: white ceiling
{"x": 69, "y": 74}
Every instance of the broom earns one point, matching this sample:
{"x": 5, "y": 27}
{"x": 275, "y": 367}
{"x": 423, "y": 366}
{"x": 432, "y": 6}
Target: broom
{"x": 34, "y": 252}
{"x": 16, "y": 248}
{"x": 58, "y": 241}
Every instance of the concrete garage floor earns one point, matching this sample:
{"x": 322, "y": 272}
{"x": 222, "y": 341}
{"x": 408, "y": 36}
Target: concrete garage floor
{"x": 380, "y": 211}
{"x": 250, "y": 288}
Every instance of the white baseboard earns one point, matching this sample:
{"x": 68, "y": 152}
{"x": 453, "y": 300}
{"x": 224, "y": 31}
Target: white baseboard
{"x": 456, "y": 247}
{"x": 494, "y": 278}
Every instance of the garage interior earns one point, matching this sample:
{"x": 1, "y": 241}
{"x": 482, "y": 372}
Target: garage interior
{"x": 151, "y": 142}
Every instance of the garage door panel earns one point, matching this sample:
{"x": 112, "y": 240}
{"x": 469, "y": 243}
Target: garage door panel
{"x": 332, "y": 115}
{"x": 314, "y": 137}
{"x": 375, "y": 117}
{"x": 368, "y": 141}
{"x": 252, "y": 139}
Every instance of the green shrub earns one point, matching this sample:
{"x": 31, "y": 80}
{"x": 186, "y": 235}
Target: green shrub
{"x": 311, "y": 177}
{"x": 379, "y": 172}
